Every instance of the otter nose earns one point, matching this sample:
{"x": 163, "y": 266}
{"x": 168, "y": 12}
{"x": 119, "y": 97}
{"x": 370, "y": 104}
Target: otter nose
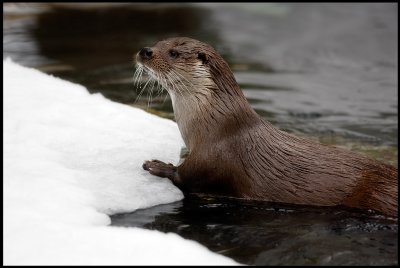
{"x": 146, "y": 53}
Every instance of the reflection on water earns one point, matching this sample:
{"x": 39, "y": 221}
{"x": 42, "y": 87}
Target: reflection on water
{"x": 95, "y": 46}
{"x": 326, "y": 71}
{"x": 87, "y": 39}
{"x": 261, "y": 233}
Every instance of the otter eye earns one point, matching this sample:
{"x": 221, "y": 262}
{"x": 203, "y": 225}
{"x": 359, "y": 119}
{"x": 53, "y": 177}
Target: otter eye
{"x": 203, "y": 57}
{"x": 173, "y": 53}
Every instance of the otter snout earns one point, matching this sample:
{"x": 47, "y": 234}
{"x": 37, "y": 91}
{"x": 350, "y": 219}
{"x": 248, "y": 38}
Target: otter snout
{"x": 146, "y": 53}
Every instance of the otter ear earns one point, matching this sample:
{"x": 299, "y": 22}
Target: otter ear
{"x": 203, "y": 57}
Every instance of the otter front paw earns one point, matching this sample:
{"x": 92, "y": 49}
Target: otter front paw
{"x": 160, "y": 169}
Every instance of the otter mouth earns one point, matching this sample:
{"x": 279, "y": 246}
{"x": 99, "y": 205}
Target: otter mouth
{"x": 141, "y": 69}
{"x": 171, "y": 81}
{"x": 146, "y": 74}
{"x": 144, "y": 79}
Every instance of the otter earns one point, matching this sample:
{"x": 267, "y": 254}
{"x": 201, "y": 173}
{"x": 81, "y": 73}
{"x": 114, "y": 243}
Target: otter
{"x": 235, "y": 153}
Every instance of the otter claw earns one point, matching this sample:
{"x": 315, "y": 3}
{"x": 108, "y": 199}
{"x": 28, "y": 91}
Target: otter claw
{"x": 159, "y": 168}
{"x": 144, "y": 166}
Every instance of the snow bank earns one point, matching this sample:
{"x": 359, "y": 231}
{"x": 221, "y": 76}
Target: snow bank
{"x": 71, "y": 158}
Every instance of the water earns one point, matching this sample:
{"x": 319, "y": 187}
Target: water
{"x": 261, "y": 233}
{"x": 324, "y": 71}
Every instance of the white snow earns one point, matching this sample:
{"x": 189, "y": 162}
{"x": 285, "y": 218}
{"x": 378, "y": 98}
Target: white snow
{"x": 70, "y": 160}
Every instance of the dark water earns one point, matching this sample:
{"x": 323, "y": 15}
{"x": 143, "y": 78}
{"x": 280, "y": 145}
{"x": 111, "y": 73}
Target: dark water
{"x": 325, "y": 71}
{"x": 260, "y": 233}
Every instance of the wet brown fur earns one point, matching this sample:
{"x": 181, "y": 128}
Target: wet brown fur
{"x": 234, "y": 152}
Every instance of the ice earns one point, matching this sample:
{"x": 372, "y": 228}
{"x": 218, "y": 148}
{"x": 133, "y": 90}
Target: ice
{"x": 70, "y": 160}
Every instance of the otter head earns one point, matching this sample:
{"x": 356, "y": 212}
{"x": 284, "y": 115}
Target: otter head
{"x": 186, "y": 66}
{"x": 199, "y": 81}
